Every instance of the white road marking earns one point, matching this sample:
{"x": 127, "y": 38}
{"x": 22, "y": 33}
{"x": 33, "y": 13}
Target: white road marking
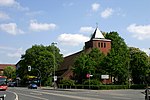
{"x": 123, "y": 98}
{"x": 33, "y": 96}
{"x": 15, "y": 95}
{"x": 69, "y": 96}
{"x": 36, "y": 93}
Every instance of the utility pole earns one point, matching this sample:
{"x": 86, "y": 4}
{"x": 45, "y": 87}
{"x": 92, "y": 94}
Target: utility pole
{"x": 55, "y": 78}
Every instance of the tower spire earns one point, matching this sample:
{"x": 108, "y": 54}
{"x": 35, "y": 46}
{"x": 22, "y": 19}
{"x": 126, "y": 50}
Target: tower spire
{"x": 96, "y": 25}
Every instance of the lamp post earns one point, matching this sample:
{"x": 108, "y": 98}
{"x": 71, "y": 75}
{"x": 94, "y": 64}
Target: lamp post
{"x": 39, "y": 75}
{"x": 54, "y": 62}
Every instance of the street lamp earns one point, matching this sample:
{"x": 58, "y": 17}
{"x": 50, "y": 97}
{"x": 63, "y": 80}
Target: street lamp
{"x": 39, "y": 75}
{"x": 55, "y": 78}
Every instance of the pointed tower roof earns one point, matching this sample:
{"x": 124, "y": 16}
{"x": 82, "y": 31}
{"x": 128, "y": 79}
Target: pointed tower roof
{"x": 97, "y": 34}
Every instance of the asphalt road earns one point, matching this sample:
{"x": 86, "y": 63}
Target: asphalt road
{"x": 18, "y": 93}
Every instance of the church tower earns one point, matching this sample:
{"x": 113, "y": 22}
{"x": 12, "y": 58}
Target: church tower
{"x": 98, "y": 41}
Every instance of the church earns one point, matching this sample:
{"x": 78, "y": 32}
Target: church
{"x": 97, "y": 41}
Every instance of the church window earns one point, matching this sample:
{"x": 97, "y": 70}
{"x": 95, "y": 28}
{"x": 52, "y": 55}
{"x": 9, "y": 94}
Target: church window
{"x": 104, "y": 45}
{"x": 101, "y": 45}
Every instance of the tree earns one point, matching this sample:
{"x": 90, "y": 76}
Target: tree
{"x": 97, "y": 58}
{"x": 42, "y": 58}
{"x": 82, "y": 66}
{"x": 10, "y": 72}
{"x": 88, "y": 64}
{"x": 116, "y": 62}
{"x": 139, "y": 65}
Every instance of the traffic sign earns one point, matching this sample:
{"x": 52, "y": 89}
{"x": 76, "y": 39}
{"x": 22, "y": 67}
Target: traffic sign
{"x": 87, "y": 75}
{"x": 55, "y": 78}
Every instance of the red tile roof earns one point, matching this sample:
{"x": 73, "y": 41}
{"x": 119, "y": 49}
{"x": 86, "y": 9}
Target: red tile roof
{"x": 2, "y": 66}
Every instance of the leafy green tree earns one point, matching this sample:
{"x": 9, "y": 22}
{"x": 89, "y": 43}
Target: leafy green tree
{"x": 88, "y": 64}
{"x": 10, "y": 72}
{"x": 82, "y": 66}
{"x": 138, "y": 65}
{"x": 116, "y": 62}
{"x": 42, "y": 58}
{"x": 97, "y": 58}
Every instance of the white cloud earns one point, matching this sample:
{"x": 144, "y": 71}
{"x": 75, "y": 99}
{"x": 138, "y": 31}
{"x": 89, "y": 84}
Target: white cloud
{"x": 140, "y": 31}
{"x": 86, "y": 29}
{"x": 146, "y": 50}
{"x": 107, "y": 12}
{"x": 72, "y": 39}
{"x": 13, "y": 3}
{"x": 95, "y": 6}
{"x": 3, "y": 16}
{"x": 7, "y": 2}
{"x": 11, "y": 28}
{"x": 35, "y": 26}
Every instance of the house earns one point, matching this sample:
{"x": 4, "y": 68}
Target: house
{"x": 97, "y": 41}
{"x": 2, "y": 66}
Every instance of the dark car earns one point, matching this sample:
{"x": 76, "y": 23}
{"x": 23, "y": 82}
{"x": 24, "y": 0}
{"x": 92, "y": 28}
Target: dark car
{"x": 32, "y": 86}
{"x": 12, "y": 84}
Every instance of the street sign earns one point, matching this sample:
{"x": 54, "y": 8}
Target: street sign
{"x": 55, "y": 78}
{"x": 88, "y": 75}
{"x": 104, "y": 76}
{"x": 29, "y": 68}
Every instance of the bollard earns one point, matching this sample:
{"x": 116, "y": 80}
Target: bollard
{"x": 2, "y": 97}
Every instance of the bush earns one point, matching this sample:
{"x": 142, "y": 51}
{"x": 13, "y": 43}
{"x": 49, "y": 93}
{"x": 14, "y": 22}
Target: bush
{"x": 92, "y": 82}
{"x": 138, "y": 86}
{"x": 67, "y": 82}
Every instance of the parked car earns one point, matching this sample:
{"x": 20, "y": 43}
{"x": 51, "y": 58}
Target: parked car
{"x": 32, "y": 86}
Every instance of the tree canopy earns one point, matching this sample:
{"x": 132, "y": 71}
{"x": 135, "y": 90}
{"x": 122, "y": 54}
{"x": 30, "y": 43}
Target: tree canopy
{"x": 42, "y": 58}
{"x": 10, "y": 72}
{"x": 122, "y": 63}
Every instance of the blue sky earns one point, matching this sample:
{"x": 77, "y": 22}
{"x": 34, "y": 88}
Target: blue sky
{"x": 69, "y": 23}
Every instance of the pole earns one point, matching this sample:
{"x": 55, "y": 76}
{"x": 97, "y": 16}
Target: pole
{"x": 89, "y": 83}
{"x": 39, "y": 75}
{"x": 54, "y": 61}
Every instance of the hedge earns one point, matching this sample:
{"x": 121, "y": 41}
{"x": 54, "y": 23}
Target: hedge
{"x": 97, "y": 87}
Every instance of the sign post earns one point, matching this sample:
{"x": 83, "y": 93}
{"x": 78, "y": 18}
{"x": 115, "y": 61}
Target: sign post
{"x": 88, "y": 76}
{"x": 105, "y": 77}
{"x": 29, "y": 68}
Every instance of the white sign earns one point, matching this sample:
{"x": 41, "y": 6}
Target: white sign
{"x": 104, "y": 76}
{"x": 55, "y": 78}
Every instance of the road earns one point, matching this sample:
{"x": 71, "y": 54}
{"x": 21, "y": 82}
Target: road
{"x": 18, "y": 93}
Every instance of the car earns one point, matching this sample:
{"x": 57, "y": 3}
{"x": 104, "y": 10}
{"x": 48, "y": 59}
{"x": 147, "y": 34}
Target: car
{"x": 32, "y": 86}
{"x": 11, "y": 84}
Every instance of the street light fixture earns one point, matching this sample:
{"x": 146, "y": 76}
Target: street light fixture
{"x": 55, "y": 78}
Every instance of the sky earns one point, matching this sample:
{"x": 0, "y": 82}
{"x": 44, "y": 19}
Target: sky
{"x": 69, "y": 23}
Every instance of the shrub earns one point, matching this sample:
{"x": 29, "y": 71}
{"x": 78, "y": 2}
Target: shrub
{"x": 138, "y": 86}
{"x": 92, "y": 82}
{"x": 67, "y": 82}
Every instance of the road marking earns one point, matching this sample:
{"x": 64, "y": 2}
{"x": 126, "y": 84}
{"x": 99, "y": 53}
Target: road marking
{"x": 122, "y": 98}
{"x": 33, "y": 96}
{"x": 69, "y": 96}
{"x": 36, "y": 93}
{"x": 15, "y": 95}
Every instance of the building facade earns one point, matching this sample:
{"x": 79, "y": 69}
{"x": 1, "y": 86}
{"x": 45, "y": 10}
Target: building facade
{"x": 2, "y": 66}
{"x": 97, "y": 41}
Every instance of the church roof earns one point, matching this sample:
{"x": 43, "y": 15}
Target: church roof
{"x": 97, "y": 35}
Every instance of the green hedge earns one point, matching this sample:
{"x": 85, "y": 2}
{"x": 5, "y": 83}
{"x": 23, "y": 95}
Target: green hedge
{"x": 138, "y": 86}
{"x": 97, "y": 87}
{"x": 103, "y": 87}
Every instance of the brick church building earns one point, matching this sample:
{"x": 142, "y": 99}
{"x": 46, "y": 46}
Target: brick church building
{"x": 97, "y": 41}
